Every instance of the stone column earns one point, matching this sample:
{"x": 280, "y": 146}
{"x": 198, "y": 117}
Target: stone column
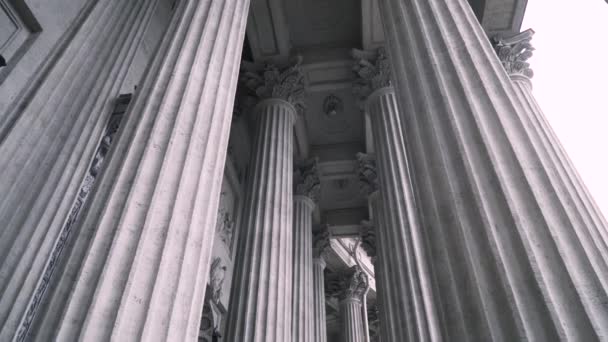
{"x": 47, "y": 143}
{"x": 351, "y": 286}
{"x": 321, "y": 243}
{"x": 407, "y": 299}
{"x": 137, "y": 269}
{"x": 514, "y": 52}
{"x": 373, "y": 230}
{"x": 514, "y": 257}
{"x": 306, "y": 191}
{"x": 261, "y": 304}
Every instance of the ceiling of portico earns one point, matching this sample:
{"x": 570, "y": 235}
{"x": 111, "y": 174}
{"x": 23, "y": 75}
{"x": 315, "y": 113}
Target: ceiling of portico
{"x": 324, "y": 32}
{"x": 315, "y": 24}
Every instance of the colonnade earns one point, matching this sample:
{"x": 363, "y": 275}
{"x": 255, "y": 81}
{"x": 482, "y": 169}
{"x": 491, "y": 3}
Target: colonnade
{"x": 481, "y": 228}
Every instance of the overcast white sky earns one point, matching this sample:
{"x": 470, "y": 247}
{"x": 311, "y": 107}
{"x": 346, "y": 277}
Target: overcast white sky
{"x": 571, "y": 82}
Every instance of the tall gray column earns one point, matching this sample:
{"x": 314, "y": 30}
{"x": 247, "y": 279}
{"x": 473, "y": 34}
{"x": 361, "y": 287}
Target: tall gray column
{"x": 408, "y": 302}
{"x": 351, "y": 286}
{"x": 46, "y": 149}
{"x": 371, "y": 232}
{"x": 261, "y": 308}
{"x": 306, "y": 191}
{"x": 513, "y": 256}
{"x": 320, "y": 244}
{"x": 137, "y": 269}
{"x": 513, "y": 52}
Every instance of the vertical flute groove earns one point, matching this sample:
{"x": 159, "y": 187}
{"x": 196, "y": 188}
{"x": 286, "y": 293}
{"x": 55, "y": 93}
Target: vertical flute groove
{"x": 156, "y": 204}
{"x": 524, "y": 253}
{"x": 262, "y": 282}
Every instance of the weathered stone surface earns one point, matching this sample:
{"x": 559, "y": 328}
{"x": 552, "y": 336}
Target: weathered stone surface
{"x": 514, "y": 52}
{"x": 513, "y": 255}
{"x": 46, "y": 154}
{"x": 261, "y": 304}
{"x": 138, "y": 268}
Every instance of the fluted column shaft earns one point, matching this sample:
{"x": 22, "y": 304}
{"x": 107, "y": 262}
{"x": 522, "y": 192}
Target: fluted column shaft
{"x": 351, "y": 320}
{"x": 513, "y": 256}
{"x": 303, "y": 302}
{"x": 380, "y": 274}
{"x": 137, "y": 270}
{"x": 47, "y": 147}
{"x": 566, "y": 171}
{"x": 261, "y": 305}
{"x": 406, "y": 296}
{"x": 319, "y": 314}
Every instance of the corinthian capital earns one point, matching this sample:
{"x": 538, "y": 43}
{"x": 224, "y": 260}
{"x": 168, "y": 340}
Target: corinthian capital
{"x": 514, "y": 52}
{"x": 306, "y": 180}
{"x": 368, "y": 238}
{"x": 373, "y": 71}
{"x": 270, "y": 81}
{"x": 320, "y": 242}
{"x": 368, "y": 177}
{"x": 349, "y": 284}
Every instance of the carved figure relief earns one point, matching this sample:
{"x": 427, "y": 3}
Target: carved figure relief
{"x": 216, "y": 279}
{"x": 85, "y": 189}
{"x": 225, "y": 222}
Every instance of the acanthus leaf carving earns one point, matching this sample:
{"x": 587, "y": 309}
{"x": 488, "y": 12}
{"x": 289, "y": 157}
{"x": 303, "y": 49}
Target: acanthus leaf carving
{"x": 349, "y": 284}
{"x": 270, "y": 81}
{"x": 373, "y": 69}
{"x": 306, "y": 179}
{"x": 320, "y": 242}
{"x": 367, "y": 172}
{"x": 514, "y": 52}
{"x": 368, "y": 238}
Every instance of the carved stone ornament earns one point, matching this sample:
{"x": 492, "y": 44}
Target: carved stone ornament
{"x": 333, "y": 105}
{"x": 514, "y": 52}
{"x": 320, "y": 242}
{"x": 272, "y": 82}
{"x": 373, "y": 317}
{"x": 70, "y": 224}
{"x": 350, "y": 284}
{"x": 216, "y": 279}
{"x": 368, "y": 238}
{"x": 225, "y": 224}
{"x": 306, "y": 180}
{"x": 373, "y": 71}
{"x": 368, "y": 176}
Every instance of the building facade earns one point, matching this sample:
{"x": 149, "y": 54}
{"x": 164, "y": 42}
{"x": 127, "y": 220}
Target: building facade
{"x": 286, "y": 170}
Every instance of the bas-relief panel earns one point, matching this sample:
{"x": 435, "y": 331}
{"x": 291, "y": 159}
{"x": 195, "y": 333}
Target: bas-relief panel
{"x": 222, "y": 265}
